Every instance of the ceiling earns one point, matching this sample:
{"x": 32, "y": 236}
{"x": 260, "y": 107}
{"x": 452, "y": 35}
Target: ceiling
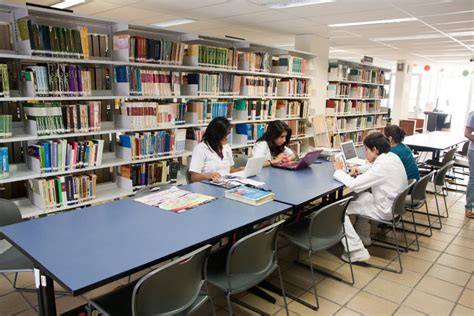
{"x": 443, "y": 32}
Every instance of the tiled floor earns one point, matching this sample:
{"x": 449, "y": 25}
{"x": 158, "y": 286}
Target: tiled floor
{"x": 437, "y": 280}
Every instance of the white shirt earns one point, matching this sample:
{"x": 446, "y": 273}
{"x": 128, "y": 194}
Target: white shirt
{"x": 386, "y": 177}
{"x": 261, "y": 149}
{"x": 205, "y": 160}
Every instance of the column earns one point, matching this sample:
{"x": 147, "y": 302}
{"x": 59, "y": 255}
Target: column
{"x": 401, "y": 93}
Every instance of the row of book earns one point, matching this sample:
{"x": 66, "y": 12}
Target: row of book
{"x": 356, "y": 137}
{"x": 343, "y": 72}
{"x": 339, "y": 107}
{"x": 150, "y": 114}
{"x": 259, "y": 61}
{"x": 63, "y": 191}
{"x": 4, "y": 163}
{"x": 290, "y": 65}
{"x": 297, "y": 128}
{"x": 64, "y": 80}
{"x": 291, "y": 109}
{"x": 150, "y": 173}
{"x": 153, "y": 144}
{"x": 208, "y": 56}
{"x": 359, "y": 122}
{"x": 151, "y": 82}
{"x": 4, "y": 80}
{"x": 358, "y": 91}
{"x": 5, "y": 125}
{"x": 63, "y": 155}
{"x": 252, "y": 132}
{"x": 56, "y": 118}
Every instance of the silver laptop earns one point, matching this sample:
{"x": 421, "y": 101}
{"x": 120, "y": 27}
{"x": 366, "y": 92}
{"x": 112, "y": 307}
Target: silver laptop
{"x": 350, "y": 154}
{"x": 252, "y": 168}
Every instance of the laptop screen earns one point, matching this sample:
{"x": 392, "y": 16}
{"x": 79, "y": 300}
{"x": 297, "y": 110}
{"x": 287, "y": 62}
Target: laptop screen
{"x": 349, "y": 150}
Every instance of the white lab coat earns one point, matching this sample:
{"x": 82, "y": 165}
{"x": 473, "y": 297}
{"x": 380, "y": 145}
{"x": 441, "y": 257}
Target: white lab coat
{"x": 261, "y": 149}
{"x": 386, "y": 178}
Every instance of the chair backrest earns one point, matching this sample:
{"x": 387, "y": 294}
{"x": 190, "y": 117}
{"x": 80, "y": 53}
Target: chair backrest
{"x": 9, "y": 213}
{"x": 173, "y": 287}
{"x": 188, "y": 175}
{"x": 328, "y": 222}
{"x": 253, "y": 254}
{"x": 241, "y": 160}
{"x": 440, "y": 176}
{"x": 398, "y": 207}
{"x": 465, "y": 148}
{"x": 419, "y": 188}
{"x": 449, "y": 156}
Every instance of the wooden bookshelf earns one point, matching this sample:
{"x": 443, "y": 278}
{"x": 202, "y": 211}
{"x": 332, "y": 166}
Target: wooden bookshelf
{"x": 24, "y": 56}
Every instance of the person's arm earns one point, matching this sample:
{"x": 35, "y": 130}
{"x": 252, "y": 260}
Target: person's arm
{"x": 236, "y": 169}
{"x": 368, "y": 179}
{"x": 288, "y": 154}
{"x": 198, "y": 177}
{"x": 197, "y": 165}
{"x": 468, "y": 133}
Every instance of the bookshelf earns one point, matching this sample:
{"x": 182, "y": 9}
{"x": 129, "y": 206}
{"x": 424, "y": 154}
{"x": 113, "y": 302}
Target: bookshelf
{"x": 58, "y": 60}
{"x": 356, "y": 102}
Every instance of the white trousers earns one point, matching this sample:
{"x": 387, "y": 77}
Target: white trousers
{"x": 362, "y": 205}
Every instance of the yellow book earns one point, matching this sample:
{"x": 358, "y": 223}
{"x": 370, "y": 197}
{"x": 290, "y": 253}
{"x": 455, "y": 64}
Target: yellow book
{"x": 84, "y": 42}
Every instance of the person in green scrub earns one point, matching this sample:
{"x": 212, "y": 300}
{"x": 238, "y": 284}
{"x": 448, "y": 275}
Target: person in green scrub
{"x": 395, "y": 137}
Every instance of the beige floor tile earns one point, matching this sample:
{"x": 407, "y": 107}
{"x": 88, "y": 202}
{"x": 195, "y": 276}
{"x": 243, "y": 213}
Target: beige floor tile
{"x": 465, "y": 233}
{"x": 379, "y": 287}
{"x": 425, "y": 253}
{"x": 238, "y": 310}
{"x": 362, "y": 275}
{"x": 13, "y": 303}
{"x": 324, "y": 263}
{"x": 67, "y": 303}
{"x": 405, "y": 311}
{"x": 428, "y": 303}
{"x": 261, "y": 304}
{"x": 5, "y": 286}
{"x": 282, "y": 312}
{"x": 415, "y": 264}
{"x": 440, "y": 288}
{"x": 336, "y": 291}
{"x": 460, "y": 251}
{"x": 460, "y": 310}
{"x": 102, "y": 290}
{"x": 25, "y": 279}
{"x": 470, "y": 284}
{"x": 456, "y": 262}
{"x": 467, "y": 298}
{"x": 32, "y": 298}
{"x": 430, "y": 243}
{"x": 408, "y": 278}
{"x": 28, "y": 312}
{"x": 442, "y": 236}
{"x": 369, "y": 304}
{"x": 464, "y": 242}
{"x": 326, "y": 307}
{"x": 300, "y": 277}
{"x": 346, "y": 312}
{"x": 449, "y": 274}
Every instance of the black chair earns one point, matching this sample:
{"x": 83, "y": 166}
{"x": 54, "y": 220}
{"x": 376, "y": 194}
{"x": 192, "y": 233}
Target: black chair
{"x": 431, "y": 164}
{"x": 438, "y": 187}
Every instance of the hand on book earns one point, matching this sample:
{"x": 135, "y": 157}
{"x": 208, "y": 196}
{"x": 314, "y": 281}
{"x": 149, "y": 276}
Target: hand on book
{"x": 215, "y": 176}
{"x": 338, "y": 164}
{"x": 354, "y": 172}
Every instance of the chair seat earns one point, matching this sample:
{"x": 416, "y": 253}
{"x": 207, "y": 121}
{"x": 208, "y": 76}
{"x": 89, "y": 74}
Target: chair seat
{"x": 413, "y": 205}
{"x": 216, "y": 275}
{"x": 434, "y": 163}
{"x": 298, "y": 234}
{"x": 431, "y": 188}
{"x": 461, "y": 163}
{"x": 383, "y": 221}
{"x": 14, "y": 260}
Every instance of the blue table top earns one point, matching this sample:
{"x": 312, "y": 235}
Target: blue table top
{"x": 300, "y": 186}
{"x": 87, "y": 248}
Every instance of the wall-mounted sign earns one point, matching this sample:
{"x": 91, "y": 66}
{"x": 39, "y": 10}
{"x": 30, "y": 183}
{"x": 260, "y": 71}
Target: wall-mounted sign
{"x": 367, "y": 60}
{"x": 400, "y": 66}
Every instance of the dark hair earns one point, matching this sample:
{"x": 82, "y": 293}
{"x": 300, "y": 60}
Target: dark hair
{"x": 394, "y": 131}
{"x": 274, "y": 130}
{"x": 215, "y": 132}
{"x": 377, "y": 140}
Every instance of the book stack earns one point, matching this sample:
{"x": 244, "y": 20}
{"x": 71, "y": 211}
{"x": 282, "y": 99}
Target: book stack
{"x": 377, "y": 76}
{"x": 258, "y": 131}
{"x": 54, "y": 41}
{"x": 337, "y": 90}
{"x": 293, "y": 87}
{"x": 258, "y": 86}
{"x": 180, "y": 140}
{"x": 245, "y": 130}
{"x": 5, "y": 125}
{"x": 260, "y": 109}
{"x": 151, "y": 82}
{"x": 56, "y": 118}
{"x": 259, "y": 61}
{"x": 208, "y": 56}
{"x": 357, "y": 91}
{"x": 360, "y": 75}
{"x": 98, "y": 45}
{"x": 148, "y": 145}
{"x": 196, "y": 111}
{"x": 376, "y": 92}
{"x": 249, "y": 195}
{"x": 171, "y": 114}
{"x": 150, "y": 173}
{"x": 137, "y": 114}
{"x": 291, "y": 109}
{"x": 4, "y": 164}
{"x": 295, "y": 147}
{"x": 6, "y": 40}
{"x": 62, "y": 155}
{"x": 4, "y": 80}
{"x": 147, "y": 50}
{"x": 337, "y": 72}
{"x": 291, "y": 65}
{"x": 62, "y": 191}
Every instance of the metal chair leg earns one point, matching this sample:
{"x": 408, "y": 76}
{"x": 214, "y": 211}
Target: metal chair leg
{"x": 314, "y": 280}
{"x": 350, "y": 260}
{"x": 283, "y": 291}
{"x": 398, "y": 249}
{"x": 229, "y": 304}
{"x": 445, "y": 203}
{"x": 416, "y": 233}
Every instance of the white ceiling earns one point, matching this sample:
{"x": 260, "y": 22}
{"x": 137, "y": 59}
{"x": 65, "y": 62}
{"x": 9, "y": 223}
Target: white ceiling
{"x": 443, "y": 33}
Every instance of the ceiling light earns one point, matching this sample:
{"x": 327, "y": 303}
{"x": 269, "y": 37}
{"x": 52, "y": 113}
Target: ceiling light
{"x": 67, "y": 4}
{"x": 422, "y": 36}
{"x": 173, "y": 22}
{"x": 373, "y": 22}
{"x": 285, "y": 4}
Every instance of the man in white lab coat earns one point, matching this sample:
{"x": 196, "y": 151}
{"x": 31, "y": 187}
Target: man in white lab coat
{"x": 386, "y": 177}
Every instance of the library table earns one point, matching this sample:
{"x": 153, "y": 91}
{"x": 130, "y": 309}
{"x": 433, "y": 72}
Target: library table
{"x": 87, "y": 248}
{"x": 434, "y": 142}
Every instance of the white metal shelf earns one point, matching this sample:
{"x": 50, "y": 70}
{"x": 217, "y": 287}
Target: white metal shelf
{"x": 358, "y": 82}
{"x": 358, "y": 129}
{"x": 358, "y": 99}
{"x": 356, "y": 114}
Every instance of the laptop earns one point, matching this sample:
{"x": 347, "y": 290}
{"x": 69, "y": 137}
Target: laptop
{"x": 304, "y": 162}
{"x": 252, "y": 168}
{"x": 350, "y": 154}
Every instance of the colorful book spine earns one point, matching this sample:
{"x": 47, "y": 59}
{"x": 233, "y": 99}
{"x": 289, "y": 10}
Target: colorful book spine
{"x": 5, "y": 126}
{"x": 4, "y": 164}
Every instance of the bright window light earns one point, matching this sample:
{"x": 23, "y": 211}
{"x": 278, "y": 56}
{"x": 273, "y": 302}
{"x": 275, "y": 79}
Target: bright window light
{"x": 173, "y": 22}
{"x": 67, "y": 4}
{"x": 285, "y": 4}
{"x": 373, "y": 22}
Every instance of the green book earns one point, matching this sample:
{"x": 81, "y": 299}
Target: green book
{"x": 240, "y": 105}
{"x": 22, "y": 26}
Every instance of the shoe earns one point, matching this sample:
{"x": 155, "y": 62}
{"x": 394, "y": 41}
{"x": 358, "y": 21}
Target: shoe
{"x": 469, "y": 213}
{"x": 357, "y": 255}
{"x": 366, "y": 241}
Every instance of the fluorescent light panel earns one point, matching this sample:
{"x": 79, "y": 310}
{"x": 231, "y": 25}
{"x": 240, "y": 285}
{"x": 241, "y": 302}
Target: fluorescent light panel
{"x": 285, "y": 4}
{"x": 67, "y": 4}
{"x": 422, "y": 36}
{"x": 373, "y": 22}
{"x": 173, "y": 22}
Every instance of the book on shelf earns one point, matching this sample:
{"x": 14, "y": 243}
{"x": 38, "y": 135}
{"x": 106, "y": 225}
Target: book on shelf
{"x": 4, "y": 81}
{"x": 287, "y": 64}
{"x": 291, "y": 109}
{"x": 175, "y": 200}
{"x": 337, "y": 72}
{"x": 208, "y": 56}
{"x": 5, "y": 125}
{"x": 145, "y": 82}
{"x": 6, "y": 40}
{"x": 258, "y": 86}
{"x": 257, "y": 109}
{"x": 298, "y": 128}
{"x": 97, "y": 44}
{"x": 150, "y": 173}
{"x": 63, "y": 155}
{"x": 62, "y": 191}
{"x": 56, "y": 118}
{"x": 4, "y": 163}
{"x": 336, "y": 90}
{"x": 255, "y": 61}
{"x": 249, "y": 195}
{"x": 147, "y": 50}
{"x": 146, "y": 145}
{"x": 292, "y": 87}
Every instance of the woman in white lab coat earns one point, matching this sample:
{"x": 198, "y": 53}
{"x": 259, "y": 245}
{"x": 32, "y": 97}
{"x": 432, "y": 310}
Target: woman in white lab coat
{"x": 212, "y": 157}
{"x": 273, "y": 144}
{"x": 386, "y": 178}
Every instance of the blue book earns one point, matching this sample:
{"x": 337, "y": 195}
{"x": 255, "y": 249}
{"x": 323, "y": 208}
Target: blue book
{"x": 126, "y": 141}
{"x": 121, "y": 74}
{"x": 47, "y": 156}
{"x": 252, "y": 196}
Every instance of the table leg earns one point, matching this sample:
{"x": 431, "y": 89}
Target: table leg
{"x": 46, "y": 299}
